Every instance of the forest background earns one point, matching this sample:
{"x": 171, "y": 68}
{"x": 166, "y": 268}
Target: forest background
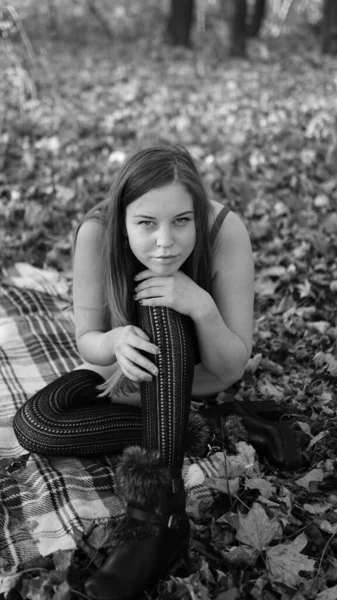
{"x": 82, "y": 85}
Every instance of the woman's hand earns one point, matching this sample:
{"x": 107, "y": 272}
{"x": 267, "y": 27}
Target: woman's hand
{"x": 133, "y": 364}
{"x": 177, "y": 291}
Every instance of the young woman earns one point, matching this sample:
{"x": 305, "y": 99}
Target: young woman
{"x": 163, "y": 282}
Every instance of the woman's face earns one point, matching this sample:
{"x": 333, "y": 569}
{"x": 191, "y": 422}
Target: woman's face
{"x": 161, "y": 229}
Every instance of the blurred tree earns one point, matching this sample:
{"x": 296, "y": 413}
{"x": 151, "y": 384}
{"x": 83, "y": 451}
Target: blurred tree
{"x": 259, "y": 12}
{"x": 239, "y": 28}
{"x": 180, "y": 22}
{"x": 329, "y": 27}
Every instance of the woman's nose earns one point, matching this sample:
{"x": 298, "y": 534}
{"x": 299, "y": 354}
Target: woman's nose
{"x": 164, "y": 237}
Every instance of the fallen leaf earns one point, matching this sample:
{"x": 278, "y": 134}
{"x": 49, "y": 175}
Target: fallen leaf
{"x": 266, "y": 388}
{"x": 256, "y": 529}
{"x": 314, "y": 475}
{"x": 257, "y": 483}
{"x": 231, "y": 594}
{"x": 320, "y": 326}
{"x": 305, "y": 428}
{"x": 332, "y": 364}
{"x": 321, "y": 201}
{"x": 240, "y": 556}
{"x": 8, "y": 582}
{"x": 259, "y": 586}
{"x": 285, "y": 561}
{"x": 316, "y": 508}
{"x": 35, "y": 214}
{"x": 265, "y": 287}
{"x": 62, "y": 591}
{"x": 330, "y": 594}
{"x": 63, "y": 559}
{"x": 100, "y": 536}
{"x": 253, "y": 364}
{"x": 65, "y": 194}
{"x": 324, "y": 525}
{"x": 317, "y": 438}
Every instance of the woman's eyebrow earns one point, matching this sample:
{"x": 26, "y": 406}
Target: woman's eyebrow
{"x": 186, "y": 212}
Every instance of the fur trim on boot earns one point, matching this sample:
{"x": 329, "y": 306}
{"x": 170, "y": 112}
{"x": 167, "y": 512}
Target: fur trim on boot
{"x": 141, "y": 478}
{"x": 198, "y": 434}
{"x": 142, "y": 481}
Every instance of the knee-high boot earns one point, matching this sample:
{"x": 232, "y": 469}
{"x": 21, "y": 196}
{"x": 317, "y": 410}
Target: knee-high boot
{"x": 154, "y": 533}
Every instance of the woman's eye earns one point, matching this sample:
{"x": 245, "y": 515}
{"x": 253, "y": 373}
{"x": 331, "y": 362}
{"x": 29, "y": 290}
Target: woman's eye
{"x": 146, "y": 223}
{"x": 182, "y": 221}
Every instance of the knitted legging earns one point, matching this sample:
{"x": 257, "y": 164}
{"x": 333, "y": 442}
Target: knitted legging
{"x": 67, "y": 417}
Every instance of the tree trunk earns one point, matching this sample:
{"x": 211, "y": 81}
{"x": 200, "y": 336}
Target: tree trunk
{"x": 239, "y": 28}
{"x": 329, "y": 27}
{"x": 257, "y": 18}
{"x": 180, "y": 22}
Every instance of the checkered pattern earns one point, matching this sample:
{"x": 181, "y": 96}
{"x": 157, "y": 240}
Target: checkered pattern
{"x": 47, "y": 504}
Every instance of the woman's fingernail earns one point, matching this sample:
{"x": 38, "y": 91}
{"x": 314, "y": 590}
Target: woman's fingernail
{"x": 155, "y": 371}
{"x": 148, "y": 378}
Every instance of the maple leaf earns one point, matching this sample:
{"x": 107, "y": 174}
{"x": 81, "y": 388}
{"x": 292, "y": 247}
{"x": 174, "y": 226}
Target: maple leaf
{"x": 313, "y": 475}
{"x": 188, "y": 588}
{"x": 265, "y": 488}
{"x": 231, "y": 594}
{"x": 285, "y": 561}
{"x": 256, "y": 529}
{"x": 330, "y": 594}
{"x": 63, "y": 559}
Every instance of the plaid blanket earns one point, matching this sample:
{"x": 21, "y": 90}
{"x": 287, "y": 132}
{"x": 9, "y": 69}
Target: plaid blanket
{"x": 48, "y": 504}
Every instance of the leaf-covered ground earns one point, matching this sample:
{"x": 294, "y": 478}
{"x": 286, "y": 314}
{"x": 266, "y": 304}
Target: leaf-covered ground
{"x": 262, "y": 133}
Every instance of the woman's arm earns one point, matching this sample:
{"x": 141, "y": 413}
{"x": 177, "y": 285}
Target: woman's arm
{"x": 94, "y": 341}
{"x": 224, "y": 323}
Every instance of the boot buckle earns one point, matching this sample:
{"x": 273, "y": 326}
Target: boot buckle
{"x": 173, "y": 522}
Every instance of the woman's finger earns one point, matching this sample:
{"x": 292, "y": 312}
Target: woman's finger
{"x": 141, "y": 333}
{"x": 147, "y": 274}
{"x": 133, "y": 372}
{"x": 150, "y": 292}
{"x": 143, "y": 345}
{"x": 153, "y": 281}
{"x": 140, "y": 360}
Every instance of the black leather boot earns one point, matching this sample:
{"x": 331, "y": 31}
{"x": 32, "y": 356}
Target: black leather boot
{"x": 271, "y": 437}
{"x": 153, "y": 536}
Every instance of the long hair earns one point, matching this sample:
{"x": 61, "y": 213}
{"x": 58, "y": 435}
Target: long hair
{"x": 144, "y": 171}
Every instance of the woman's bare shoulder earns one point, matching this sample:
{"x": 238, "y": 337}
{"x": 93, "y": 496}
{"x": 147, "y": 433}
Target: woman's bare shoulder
{"x": 90, "y": 231}
{"x": 232, "y": 236}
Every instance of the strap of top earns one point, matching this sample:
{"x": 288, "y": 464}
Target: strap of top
{"x": 218, "y": 222}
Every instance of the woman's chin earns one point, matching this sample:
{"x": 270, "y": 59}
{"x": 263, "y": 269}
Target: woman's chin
{"x": 165, "y": 270}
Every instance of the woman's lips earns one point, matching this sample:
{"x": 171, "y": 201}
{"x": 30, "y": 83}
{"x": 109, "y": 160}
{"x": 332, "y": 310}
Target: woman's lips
{"x": 165, "y": 258}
